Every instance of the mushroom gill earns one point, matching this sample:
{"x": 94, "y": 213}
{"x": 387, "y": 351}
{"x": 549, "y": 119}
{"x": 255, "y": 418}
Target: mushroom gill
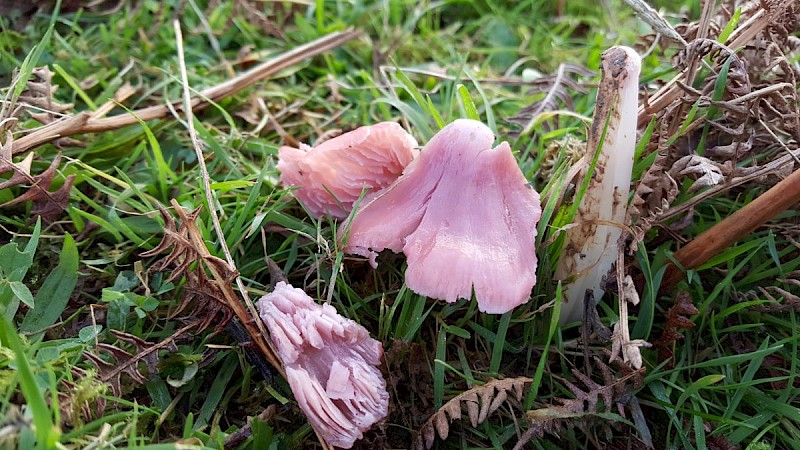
{"x": 332, "y": 176}
{"x": 331, "y": 364}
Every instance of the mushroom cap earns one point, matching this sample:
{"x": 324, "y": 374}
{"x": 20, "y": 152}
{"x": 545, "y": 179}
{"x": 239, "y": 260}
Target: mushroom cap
{"x": 465, "y": 217}
{"x": 333, "y": 175}
{"x": 330, "y": 364}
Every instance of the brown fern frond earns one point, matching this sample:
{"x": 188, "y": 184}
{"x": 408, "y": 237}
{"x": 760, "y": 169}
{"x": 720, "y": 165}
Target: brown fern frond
{"x": 745, "y": 88}
{"x": 556, "y": 89}
{"x": 39, "y": 95}
{"x": 46, "y": 204}
{"x": 183, "y": 253}
{"x": 677, "y": 319}
{"x": 209, "y": 293}
{"x": 480, "y": 402}
{"x": 118, "y": 361}
{"x": 791, "y": 302}
{"x": 613, "y": 395}
{"x": 202, "y": 297}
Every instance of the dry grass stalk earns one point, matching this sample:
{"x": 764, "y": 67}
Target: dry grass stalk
{"x": 206, "y": 178}
{"x": 86, "y": 122}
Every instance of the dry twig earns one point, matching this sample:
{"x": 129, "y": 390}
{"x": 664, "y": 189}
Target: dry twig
{"x": 725, "y": 233}
{"x": 85, "y": 122}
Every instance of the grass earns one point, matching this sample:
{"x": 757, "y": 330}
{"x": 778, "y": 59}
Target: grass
{"x": 66, "y": 285}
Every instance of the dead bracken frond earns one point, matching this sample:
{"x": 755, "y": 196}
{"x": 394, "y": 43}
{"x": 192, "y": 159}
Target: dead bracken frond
{"x": 201, "y": 297}
{"x": 208, "y": 292}
{"x": 557, "y": 90}
{"x": 730, "y": 100}
{"x": 183, "y": 254}
{"x": 39, "y": 96}
{"x": 704, "y": 172}
{"x": 38, "y": 102}
{"x": 677, "y": 319}
{"x": 46, "y": 204}
{"x": 617, "y": 396}
{"x": 120, "y": 361}
{"x": 791, "y": 302}
{"x": 480, "y": 402}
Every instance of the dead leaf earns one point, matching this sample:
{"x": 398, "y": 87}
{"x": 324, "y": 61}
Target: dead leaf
{"x": 704, "y": 171}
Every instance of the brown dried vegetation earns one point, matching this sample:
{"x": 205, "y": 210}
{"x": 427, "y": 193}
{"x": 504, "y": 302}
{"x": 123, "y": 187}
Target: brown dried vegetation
{"x": 37, "y": 96}
{"x": 479, "y": 402}
{"x": 677, "y": 318}
{"x": 616, "y": 394}
{"x": 725, "y": 107}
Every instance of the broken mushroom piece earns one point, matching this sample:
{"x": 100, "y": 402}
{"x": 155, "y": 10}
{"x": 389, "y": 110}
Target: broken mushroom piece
{"x": 332, "y": 175}
{"x": 465, "y": 217}
{"x": 592, "y": 244}
{"x": 331, "y": 364}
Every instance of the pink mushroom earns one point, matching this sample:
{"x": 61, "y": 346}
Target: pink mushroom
{"x": 333, "y": 175}
{"x": 465, "y": 217}
{"x": 330, "y": 364}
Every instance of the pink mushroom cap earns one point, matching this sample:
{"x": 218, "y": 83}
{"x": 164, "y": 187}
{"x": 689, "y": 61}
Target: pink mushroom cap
{"x": 331, "y": 364}
{"x": 333, "y": 175}
{"x": 465, "y": 217}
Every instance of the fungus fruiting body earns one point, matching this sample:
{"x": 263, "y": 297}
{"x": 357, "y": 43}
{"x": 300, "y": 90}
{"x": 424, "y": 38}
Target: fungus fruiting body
{"x": 331, "y": 364}
{"x": 465, "y": 217}
{"x": 592, "y": 244}
{"x": 332, "y": 176}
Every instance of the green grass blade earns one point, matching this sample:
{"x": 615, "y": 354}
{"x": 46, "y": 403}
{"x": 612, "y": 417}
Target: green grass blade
{"x": 467, "y": 105}
{"x": 438, "y": 369}
{"x": 47, "y": 433}
{"x": 55, "y": 292}
{"x": 499, "y": 343}
{"x": 533, "y": 393}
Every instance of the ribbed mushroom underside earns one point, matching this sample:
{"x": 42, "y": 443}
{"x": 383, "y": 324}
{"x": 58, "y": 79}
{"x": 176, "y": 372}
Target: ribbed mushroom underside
{"x": 331, "y": 364}
{"x": 332, "y": 176}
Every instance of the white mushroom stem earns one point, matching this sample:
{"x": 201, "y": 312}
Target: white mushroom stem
{"x": 591, "y": 246}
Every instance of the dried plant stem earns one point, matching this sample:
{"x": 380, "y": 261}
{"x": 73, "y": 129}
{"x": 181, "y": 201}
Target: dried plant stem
{"x": 724, "y": 234}
{"x": 212, "y": 210}
{"x": 766, "y": 169}
{"x": 654, "y": 19}
{"x": 85, "y": 122}
{"x": 259, "y": 334}
{"x": 244, "y": 316}
{"x": 140, "y": 356}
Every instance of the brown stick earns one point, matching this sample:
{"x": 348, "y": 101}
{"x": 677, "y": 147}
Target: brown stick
{"x": 724, "y": 234}
{"x": 83, "y": 122}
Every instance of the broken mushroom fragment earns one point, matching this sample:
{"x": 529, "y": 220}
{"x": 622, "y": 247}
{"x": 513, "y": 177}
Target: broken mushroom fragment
{"x": 465, "y": 217}
{"x": 592, "y": 244}
{"x": 332, "y": 175}
{"x": 331, "y": 364}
